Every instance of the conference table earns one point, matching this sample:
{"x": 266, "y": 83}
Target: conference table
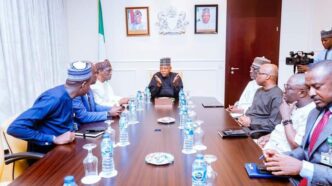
{"x": 130, "y": 163}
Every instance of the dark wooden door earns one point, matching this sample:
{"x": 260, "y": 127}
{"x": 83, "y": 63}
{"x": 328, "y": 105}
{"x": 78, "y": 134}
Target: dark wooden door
{"x": 252, "y": 30}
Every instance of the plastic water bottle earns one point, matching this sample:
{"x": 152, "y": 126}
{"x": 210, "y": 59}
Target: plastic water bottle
{"x": 139, "y": 101}
{"x": 183, "y": 117}
{"x": 132, "y": 113}
{"x": 124, "y": 138}
{"x": 198, "y": 174}
{"x": 147, "y": 95}
{"x": 106, "y": 148}
{"x": 188, "y": 140}
{"x": 69, "y": 181}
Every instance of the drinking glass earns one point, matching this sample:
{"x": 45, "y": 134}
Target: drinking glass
{"x": 90, "y": 163}
{"x": 111, "y": 131}
{"x": 211, "y": 174}
{"x": 199, "y": 136}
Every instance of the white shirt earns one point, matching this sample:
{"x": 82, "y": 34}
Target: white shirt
{"x": 104, "y": 94}
{"x": 278, "y": 140}
{"x": 247, "y": 95}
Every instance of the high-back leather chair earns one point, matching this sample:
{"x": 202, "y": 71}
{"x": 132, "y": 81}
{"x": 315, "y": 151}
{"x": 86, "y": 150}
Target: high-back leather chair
{"x": 17, "y": 153}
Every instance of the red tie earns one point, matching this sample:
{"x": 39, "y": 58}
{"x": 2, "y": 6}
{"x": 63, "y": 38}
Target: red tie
{"x": 314, "y": 137}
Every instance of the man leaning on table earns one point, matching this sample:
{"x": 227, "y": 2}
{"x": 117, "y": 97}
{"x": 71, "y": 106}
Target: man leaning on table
{"x": 49, "y": 121}
{"x": 310, "y": 160}
{"x": 263, "y": 114}
{"x": 87, "y": 110}
{"x": 294, "y": 111}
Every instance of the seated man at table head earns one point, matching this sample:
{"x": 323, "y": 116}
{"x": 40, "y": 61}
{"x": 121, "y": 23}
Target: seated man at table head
{"x": 49, "y": 121}
{"x": 248, "y": 94}
{"x": 87, "y": 110}
{"x": 264, "y": 114}
{"x": 310, "y": 160}
{"x": 165, "y": 83}
{"x": 294, "y": 111}
{"x": 102, "y": 89}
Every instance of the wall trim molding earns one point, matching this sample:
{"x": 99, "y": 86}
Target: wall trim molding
{"x": 173, "y": 60}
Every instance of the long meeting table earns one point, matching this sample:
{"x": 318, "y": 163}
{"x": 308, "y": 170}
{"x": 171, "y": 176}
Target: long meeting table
{"x": 130, "y": 163}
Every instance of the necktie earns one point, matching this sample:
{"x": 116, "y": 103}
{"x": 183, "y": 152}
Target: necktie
{"x": 314, "y": 137}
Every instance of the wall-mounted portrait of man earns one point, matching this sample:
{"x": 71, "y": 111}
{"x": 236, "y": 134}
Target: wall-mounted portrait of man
{"x": 137, "y": 21}
{"x": 206, "y": 19}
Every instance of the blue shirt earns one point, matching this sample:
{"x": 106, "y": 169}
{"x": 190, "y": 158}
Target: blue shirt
{"x": 320, "y": 56}
{"x": 87, "y": 110}
{"x": 50, "y": 115}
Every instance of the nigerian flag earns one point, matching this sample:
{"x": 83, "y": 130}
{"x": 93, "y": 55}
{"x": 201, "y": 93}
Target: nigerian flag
{"x": 101, "y": 50}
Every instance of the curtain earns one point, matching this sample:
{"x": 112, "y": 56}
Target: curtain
{"x": 33, "y": 51}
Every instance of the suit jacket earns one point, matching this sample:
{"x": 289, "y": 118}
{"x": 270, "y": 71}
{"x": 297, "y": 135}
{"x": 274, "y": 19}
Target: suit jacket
{"x": 87, "y": 110}
{"x": 322, "y": 173}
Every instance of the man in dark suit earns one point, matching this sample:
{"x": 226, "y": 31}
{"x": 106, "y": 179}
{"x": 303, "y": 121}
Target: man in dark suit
{"x": 310, "y": 160}
{"x": 165, "y": 83}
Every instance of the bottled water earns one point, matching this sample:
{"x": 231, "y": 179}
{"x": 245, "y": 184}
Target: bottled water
{"x": 106, "y": 148}
{"x": 183, "y": 117}
{"x": 139, "y": 100}
{"x": 198, "y": 174}
{"x": 124, "y": 138}
{"x": 132, "y": 112}
{"x": 69, "y": 181}
{"x": 188, "y": 140}
{"x": 147, "y": 95}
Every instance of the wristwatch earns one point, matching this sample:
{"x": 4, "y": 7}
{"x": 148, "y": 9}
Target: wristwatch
{"x": 286, "y": 122}
{"x": 109, "y": 114}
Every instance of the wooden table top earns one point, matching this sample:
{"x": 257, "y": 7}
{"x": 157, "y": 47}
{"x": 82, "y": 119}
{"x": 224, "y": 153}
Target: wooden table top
{"x": 231, "y": 154}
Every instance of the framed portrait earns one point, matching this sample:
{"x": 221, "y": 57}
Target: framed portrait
{"x": 137, "y": 21}
{"x": 206, "y": 19}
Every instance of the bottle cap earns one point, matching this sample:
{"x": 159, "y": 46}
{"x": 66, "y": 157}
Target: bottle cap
{"x": 69, "y": 179}
{"x": 199, "y": 156}
{"x": 106, "y": 135}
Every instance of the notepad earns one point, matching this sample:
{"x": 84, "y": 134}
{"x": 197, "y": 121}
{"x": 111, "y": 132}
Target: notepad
{"x": 91, "y": 130}
{"x": 211, "y": 103}
{"x": 253, "y": 172}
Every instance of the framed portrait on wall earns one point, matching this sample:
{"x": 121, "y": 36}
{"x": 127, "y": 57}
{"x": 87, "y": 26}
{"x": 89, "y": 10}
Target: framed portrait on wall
{"x": 206, "y": 19}
{"x": 137, "y": 21}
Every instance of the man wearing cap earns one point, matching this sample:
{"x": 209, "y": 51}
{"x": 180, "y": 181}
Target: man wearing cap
{"x": 102, "y": 89}
{"x": 87, "y": 110}
{"x": 49, "y": 121}
{"x": 165, "y": 83}
{"x": 248, "y": 94}
{"x": 326, "y": 54}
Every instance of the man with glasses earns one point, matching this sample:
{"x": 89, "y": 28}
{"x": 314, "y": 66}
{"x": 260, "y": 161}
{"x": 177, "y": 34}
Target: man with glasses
{"x": 102, "y": 89}
{"x": 311, "y": 160}
{"x": 247, "y": 96}
{"x": 294, "y": 111}
{"x": 263, "y": 114}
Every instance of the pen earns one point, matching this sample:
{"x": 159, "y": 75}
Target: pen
{"x": 261, "y": 157}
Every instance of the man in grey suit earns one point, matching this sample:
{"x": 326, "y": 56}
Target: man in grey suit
{"x": 309, "y": 159}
